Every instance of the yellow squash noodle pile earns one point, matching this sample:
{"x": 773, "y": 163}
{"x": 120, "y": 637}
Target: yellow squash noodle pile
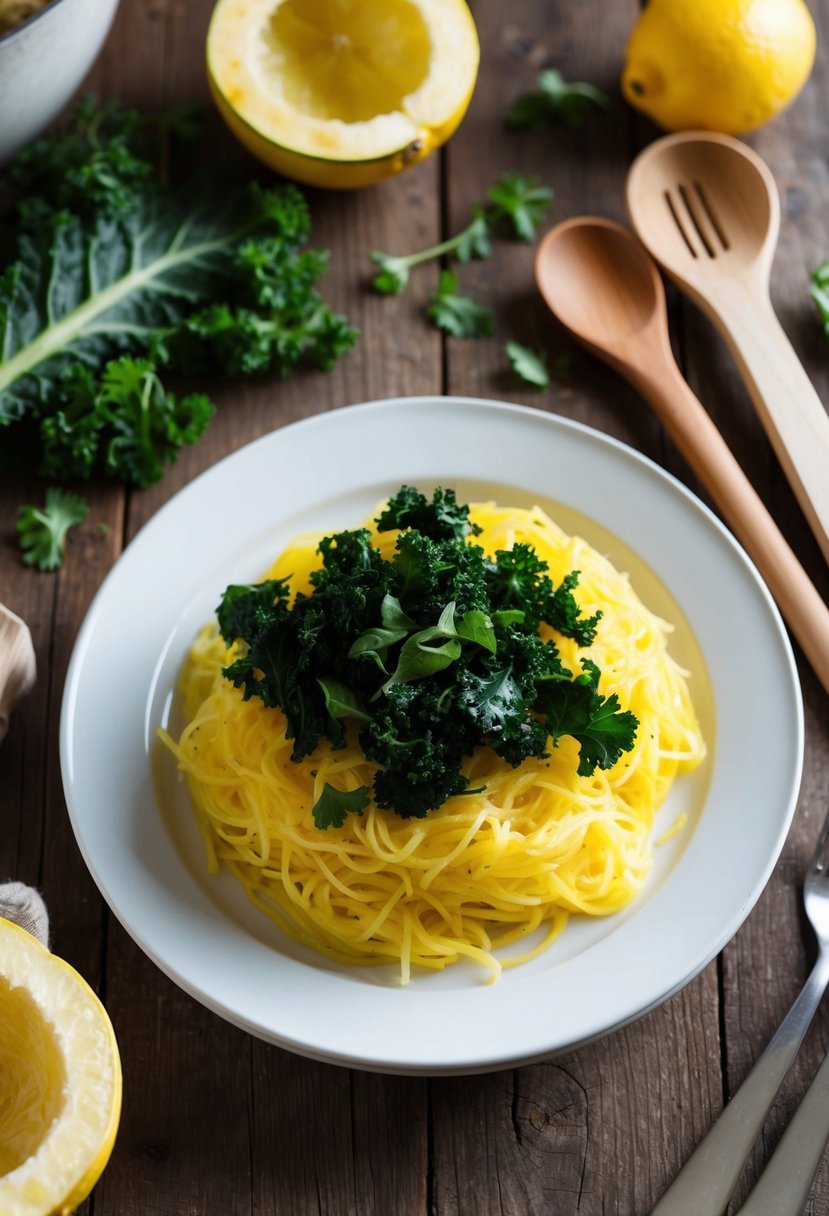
{"x": 483, "y": 871}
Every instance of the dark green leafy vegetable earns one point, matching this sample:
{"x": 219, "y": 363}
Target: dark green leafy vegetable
{"x": 528, "y": 365}
{"x": 557, "y": 101}
{"x": 458, "y": 315}
{"x": 429, "y": 655}
{"x": 126, "y": 424}
{"x": 110, "y": 266}
{"x": 332, "y": 806}
{"x": 42, "y": 530}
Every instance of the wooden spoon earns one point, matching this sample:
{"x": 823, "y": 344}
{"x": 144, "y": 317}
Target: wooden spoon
{"x": 707, "y": 208}
{"x": 17, "y": 664}
{"x": 604, "y": 288}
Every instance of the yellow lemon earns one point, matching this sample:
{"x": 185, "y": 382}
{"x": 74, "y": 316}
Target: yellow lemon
{"x": 342, "y": 93}
{"x": 60, "y": 1081}
{"x": 718, "y": 65}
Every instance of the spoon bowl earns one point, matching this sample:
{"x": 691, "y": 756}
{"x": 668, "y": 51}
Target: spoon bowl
{"x": 577, "y": 253}
{"x": 705, "y": 205}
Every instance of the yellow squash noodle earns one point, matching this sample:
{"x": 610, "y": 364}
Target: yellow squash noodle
{"x": 484, "y": 871}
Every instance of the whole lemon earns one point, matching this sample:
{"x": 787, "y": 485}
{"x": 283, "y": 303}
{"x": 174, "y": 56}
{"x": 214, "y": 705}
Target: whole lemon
{"x": 718, "y": 65}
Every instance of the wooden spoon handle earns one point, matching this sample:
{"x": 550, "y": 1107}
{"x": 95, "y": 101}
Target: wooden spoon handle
{"x": 707, "y": 453}
{"x": 788, "y": 406}
{"x": 17, "y": 663}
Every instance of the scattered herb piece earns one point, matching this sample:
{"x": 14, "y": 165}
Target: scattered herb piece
{"x": 43, "y": 530}
{"x": 819, "y": 291}
{"x": 460, "y": 316}
{"x": 430, "y": 654}
{"x": 516, "y": 201}
{"x": 333, "y": 805}
{"x": 528, "y": 365}
{"x": 572, "y": 104}
{"x": 521, "y": 202}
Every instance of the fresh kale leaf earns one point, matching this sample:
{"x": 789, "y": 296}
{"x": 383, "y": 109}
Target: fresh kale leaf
{"x": 444, "y": 518}
{"x": 455, "y": 660}
{"x": 333, "y": 805}
{"x": 602, "y": 730}
{"x": 116, "y": 281}
{"x": 127, "y": 426}
{"x": 43, "y": 530}
{"x": 460, "y": 316}
{"x": 564, "y": 613}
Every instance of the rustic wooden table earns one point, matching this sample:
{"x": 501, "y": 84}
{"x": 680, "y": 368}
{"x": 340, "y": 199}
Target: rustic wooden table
{"x": 217, "y": 1122}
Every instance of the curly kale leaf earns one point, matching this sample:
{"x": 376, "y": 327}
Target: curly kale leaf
{"x": 333, "y": 805}
{"x": 126, "y": 426}
{"x": 428, "y": 656}
{"x": 444, "y": 518}
{"x": 575, "y": 707}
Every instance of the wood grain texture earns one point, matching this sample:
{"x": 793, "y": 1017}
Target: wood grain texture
{"x": 218, "y": 1124}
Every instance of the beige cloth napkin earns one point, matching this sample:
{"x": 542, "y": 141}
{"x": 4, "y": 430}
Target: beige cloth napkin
{"x": 26, "y": 908}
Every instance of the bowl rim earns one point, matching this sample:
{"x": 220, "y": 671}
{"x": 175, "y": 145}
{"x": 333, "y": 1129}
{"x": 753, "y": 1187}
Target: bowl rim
{"x": 28, "y": 22}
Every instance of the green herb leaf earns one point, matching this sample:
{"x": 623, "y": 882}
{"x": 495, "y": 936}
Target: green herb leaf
{"x": 333, "y": 805}
{"x": 557, "y": 101}
{"x": 476, "y": 626}
{"x": 528, "y": 365}
{"x": 341, "y": 701}
{"x": 521, "y": 202}
{"x": 393, "y": 276}
{"x": 819, "y": 292}
{"x": 43, "y": 530}
{"x": 574, "y": 707}
{"x": 460, "y": 316}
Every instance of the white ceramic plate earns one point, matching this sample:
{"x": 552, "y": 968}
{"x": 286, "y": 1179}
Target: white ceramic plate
{"x": 130, "y": 812}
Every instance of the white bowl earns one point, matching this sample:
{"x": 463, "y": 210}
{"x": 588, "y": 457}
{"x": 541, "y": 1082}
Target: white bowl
{"x": 43, "y": 61}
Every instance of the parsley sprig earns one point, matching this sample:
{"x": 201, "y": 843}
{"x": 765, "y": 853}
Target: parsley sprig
{"x": 557, "y": 101}
{"x": 426, "y": 656}
{"x": 42, "y": 530}
{"x": 516, "y": 203}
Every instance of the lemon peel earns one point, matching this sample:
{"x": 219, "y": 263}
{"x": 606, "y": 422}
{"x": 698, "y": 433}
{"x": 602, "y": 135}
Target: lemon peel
{"x": 60, "y": 1081}
{"x": 342, "y": 94}
{"x": 718, "y": 65}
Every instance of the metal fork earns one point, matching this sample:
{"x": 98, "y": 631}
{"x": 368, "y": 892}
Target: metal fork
{"x": 704, "y": 1184}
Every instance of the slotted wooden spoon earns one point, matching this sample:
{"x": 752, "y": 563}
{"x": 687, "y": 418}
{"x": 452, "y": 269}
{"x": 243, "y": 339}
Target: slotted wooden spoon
{"x": 600, "y": 283}
{"x": 17, "y": 663}
{"x": 707, "y": 208}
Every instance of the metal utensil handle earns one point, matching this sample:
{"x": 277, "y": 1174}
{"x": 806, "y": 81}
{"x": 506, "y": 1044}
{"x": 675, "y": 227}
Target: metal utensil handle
{"x": 783, "y": 1189}
{"x": 704, "y": 1184}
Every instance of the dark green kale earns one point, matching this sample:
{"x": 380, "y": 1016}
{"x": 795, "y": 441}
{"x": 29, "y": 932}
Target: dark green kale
{"x": 116, "y": 281}
{"x": 332, "y": 806}
{"x": 444, "y": 518}
{"x": 427, "y": 656}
